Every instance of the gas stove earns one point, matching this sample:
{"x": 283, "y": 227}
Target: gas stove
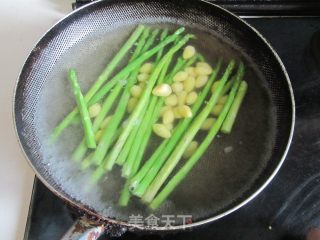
{"x": 290, "y": 206}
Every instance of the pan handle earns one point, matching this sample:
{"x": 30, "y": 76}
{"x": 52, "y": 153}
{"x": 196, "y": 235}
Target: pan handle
{"x": 84, "y": 229}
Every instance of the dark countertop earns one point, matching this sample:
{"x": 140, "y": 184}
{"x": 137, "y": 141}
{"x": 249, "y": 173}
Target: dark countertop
{"x": 290, "y": 205}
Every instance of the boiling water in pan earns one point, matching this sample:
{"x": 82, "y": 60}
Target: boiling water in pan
{"x": 217, "y": 180}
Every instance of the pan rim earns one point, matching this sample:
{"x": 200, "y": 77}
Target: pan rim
{"x": 87, "y": 210}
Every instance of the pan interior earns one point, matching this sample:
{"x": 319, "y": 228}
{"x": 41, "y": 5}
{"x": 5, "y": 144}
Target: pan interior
{"x": 216, "y": 181}
{"x": 87, "y": 40}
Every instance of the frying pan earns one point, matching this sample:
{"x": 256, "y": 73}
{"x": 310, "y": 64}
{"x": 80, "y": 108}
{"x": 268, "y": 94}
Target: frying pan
{"x": 222, "y": 182}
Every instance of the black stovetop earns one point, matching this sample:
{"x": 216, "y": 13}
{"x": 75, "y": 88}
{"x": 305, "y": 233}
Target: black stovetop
{"x": 290, "y": 205}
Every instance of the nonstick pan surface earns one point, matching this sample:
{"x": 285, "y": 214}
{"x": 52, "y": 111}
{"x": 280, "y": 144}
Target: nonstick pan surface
{"x": 86, "y": 40}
